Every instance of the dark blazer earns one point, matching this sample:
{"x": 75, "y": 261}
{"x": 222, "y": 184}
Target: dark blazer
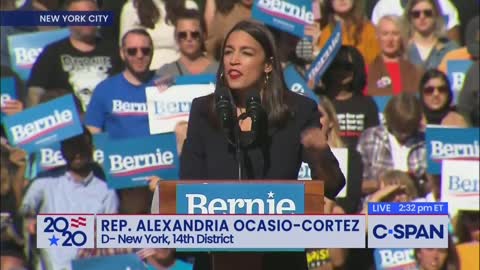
{"x": 207, "y": 155}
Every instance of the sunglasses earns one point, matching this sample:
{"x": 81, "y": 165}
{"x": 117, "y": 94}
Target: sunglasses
{"x": 134, "y": 51}
{"x": 417, "y": 13}
{"x": 430, "y": 89}
{"x": 184, "y": 34}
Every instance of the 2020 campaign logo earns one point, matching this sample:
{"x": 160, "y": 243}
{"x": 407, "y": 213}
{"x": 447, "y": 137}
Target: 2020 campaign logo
{"x": 65, "y": 230}
{"x": 240, "y": 199}
{"x": 451, "y": 144}
{"x": 130, "y": 162}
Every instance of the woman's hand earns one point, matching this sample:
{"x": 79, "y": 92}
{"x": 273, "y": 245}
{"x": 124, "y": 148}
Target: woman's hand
{"x": 385, "y": 192}
{"x": 313, "y": 31}
{"x": 18, "y": 157}
{"x": 12, "y": 107}
{"x": 152, "y": 182}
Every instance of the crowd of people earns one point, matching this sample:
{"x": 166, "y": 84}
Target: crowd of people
{"x": 389, "y": 48}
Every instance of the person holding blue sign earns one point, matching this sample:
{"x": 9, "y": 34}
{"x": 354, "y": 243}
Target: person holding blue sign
{"x": 118, "y": 106}
{"x": 190, "y": 37}
{"x": 357, "y": 30}
{"x": 75, "y": 191}
{"x": 343, "y": 84}
{"x": 289, "y": 131}
{"x": 436, "y": 96}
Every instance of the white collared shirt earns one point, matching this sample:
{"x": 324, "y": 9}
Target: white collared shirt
{"x": 399, "y": 154}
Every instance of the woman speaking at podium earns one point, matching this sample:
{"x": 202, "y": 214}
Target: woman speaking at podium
{"x": 253, "y": 127}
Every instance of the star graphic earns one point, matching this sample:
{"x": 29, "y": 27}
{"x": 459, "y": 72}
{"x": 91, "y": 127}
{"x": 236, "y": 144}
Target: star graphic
{"x": 53, "y": 241}
{"x": 270, "y": 195}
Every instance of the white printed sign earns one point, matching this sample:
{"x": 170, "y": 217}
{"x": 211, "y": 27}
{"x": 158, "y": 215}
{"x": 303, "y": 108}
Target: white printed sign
{"x": 460, "y": 185}
{"x": 342, "y": 156}
{"x": 168, "y": 107}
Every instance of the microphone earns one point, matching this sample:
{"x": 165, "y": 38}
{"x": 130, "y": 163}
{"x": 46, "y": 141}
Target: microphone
{"x": 224, "y": 109}
{"x": 257, "y": 114}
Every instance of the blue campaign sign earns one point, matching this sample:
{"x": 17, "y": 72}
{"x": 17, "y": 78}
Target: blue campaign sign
{"x": 297, "y": 84}
{"x": 178, "y": 265}
{"x": 129, "y": 163}
{"x": 116, "y": 262}
{"x": 395, "y": 259}
{"x": 43, "y": 124}
{"x": 99, "y": 141}
{"x": 381, "y": 102}
{"x": 456, "y": 72}
{"x": 7, "y": 90}
{"x": 451, "y": 144}
{"x": 195, "y": 79}
{"x": 326, "y": 55}
{"x": 287, "y": 15}
{"x": 50, "y": 157}
{"x": 241, "y": 198}
{"x": 25, "y": 48}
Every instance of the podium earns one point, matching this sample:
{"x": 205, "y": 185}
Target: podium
{"x": 313, "y": 204}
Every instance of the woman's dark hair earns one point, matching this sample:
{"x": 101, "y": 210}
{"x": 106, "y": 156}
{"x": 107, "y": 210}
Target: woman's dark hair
{"x": 273, "y": 96}
{"x": 452, "y": 261}
{"x": 351, "y": 60}
{"x": 466, "y": 220}
{"x": 225, "y": 6}
{"x": 149, "y": 14}
{"x": 436, "y": 116}
{"x": 433, "y": 74}
{"x": 356, "y": 19}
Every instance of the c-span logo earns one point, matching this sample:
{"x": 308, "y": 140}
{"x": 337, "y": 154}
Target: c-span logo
{"x": 407, "y": 231}
{"x": 65, "y": 231}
